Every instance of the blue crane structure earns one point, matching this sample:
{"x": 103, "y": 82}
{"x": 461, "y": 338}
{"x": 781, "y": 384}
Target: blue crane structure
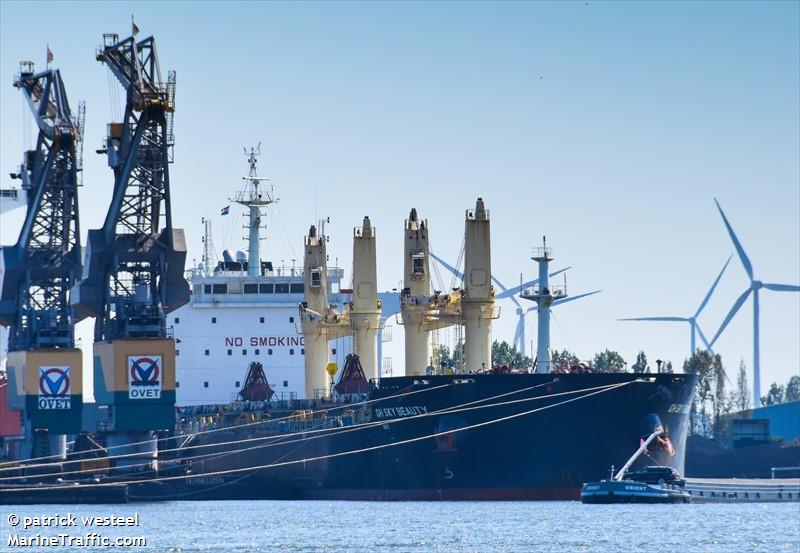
{"x": 134, "y": 272}
{"x": 38, "y": 271}
{"x": 45, "y": 262}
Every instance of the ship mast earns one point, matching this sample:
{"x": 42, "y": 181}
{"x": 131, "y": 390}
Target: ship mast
{"x": 544, "y": 294}
{"x": 255, "y": 199}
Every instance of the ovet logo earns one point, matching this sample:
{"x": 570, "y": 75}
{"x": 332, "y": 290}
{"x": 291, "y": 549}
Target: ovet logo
{"x": 54, "y": 390}
{"x": 144, "y": 372}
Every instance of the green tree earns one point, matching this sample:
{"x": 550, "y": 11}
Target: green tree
{"x": 774, "y": 396}
{"x": 722, "y": 405}
{"x": 741, "y": 396}
{"x": 451, "y": 359}
{"x": 668, "y": 368}
{"x": 505, "y": 354}
{"x": 563, "y": 359}
{"x": 641, "y": 363}
{"x": 701, "y": 364}
{"x": 608, "y": 362}
{"x": 793, "y": 389}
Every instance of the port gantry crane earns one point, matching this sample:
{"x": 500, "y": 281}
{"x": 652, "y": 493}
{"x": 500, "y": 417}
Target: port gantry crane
{"x": 44, "y": 367}
{"x": 134, "y": 271}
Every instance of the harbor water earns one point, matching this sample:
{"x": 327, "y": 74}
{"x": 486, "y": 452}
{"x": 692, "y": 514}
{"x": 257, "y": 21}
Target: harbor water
{"x": 417, "y": 527}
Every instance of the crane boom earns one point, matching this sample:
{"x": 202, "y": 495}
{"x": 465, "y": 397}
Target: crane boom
{"x": 40, "y": 268}
{"x": 135, "y": 262}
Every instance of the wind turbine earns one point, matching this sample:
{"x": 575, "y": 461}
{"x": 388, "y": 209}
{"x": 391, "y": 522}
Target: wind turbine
{"x": 694, "y": 328}
{"x": 755, "y": 286}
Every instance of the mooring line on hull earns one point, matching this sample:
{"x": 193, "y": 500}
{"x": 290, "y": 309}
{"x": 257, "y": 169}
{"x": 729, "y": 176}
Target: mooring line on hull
{"x": 16, "y": 464}
{"x": 324, "y": 457}
{"x": 280, "y": 439}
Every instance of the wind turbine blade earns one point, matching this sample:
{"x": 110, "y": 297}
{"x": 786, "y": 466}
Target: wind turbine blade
{"x": 503, "y": 288}
{"x": 534, "y": 308}
{"x": 781, "y": 287}
{"x": 713, "y": 286}
{"x": 447, "y": 266}
{"x": 739, "y": 249}
{"x": 508, "y": 292}
{"x": 703, "y": 338}
{"x": 518, "y": 331}
{"x": 680, "y": 319}
{"x": 573, "y": 298}
{"x": 554, "y": 273}
{"x": 515, "y": 290}
{"x": 731, "y": 313}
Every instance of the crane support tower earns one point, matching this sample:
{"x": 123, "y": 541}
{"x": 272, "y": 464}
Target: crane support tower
{"x": 44, "y": 367}
{"x": 365, "y": 307}
{"x": 478, "y": 308}
{"x": 134, "y": 273}
{"x": 414, "y": 299}
{"x": 320, "y": 322}
{"x": 471, "y": 306}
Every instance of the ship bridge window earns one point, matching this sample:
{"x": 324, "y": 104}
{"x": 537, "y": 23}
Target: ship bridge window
{"x": 258, "y": 352}
{"x": 251, "y": 288}
{"x": 297, "y": 288}
{"x": 208, "y": 352}
{"x": 205, "y": 384}
{"x": 418, "y": 263}
{"x": 244, "y": 352}
{"x": 266, "y": 288}
{"x": 261, "y": 319}
{"x": 177, "y": 320}
{"x": 213, "y": 320}
{"x": 281, "y": 287}
{"x": 316, "y": 278}
{"x": 285, "y": 383}
{"x": 197, "y": 289}
{"x": 237, "y": 384}
{"x": 219, "y": 288}
{"x": 291, "y": 319}
{"x": 206, "y": 288}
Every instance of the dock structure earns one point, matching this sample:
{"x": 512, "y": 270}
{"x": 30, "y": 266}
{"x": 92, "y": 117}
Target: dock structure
{"x": 738, "y": 490}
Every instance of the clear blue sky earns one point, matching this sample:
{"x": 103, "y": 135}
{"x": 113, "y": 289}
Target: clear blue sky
{"x": 610, "y": 127}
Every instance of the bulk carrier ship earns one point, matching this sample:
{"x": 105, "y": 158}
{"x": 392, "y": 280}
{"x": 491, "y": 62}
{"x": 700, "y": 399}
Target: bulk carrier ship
{"x": 175, "y": 418}
{"x": 485, "y": 433}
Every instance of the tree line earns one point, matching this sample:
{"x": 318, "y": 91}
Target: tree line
{"x": 716, "y": 395}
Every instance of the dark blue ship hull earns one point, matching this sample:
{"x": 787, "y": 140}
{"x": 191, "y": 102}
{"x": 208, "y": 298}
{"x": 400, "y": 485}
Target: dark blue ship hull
{"x": 470, "y": 437}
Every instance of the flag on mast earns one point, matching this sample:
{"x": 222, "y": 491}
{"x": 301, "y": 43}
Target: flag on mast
{"x": 225, "y": 210}
{"x": 134, "y": 28}
{"x": 49, "y": 54}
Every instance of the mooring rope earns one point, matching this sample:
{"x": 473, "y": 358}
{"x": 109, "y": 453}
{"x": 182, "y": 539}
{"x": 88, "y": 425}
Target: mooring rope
{"x": 323, "y": 457}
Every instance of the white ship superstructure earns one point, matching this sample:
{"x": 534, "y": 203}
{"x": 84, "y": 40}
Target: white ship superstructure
{"x": 245, "y": 309}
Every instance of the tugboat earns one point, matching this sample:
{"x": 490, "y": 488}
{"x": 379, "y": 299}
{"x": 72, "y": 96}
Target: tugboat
{"x": 651, "y": 484}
